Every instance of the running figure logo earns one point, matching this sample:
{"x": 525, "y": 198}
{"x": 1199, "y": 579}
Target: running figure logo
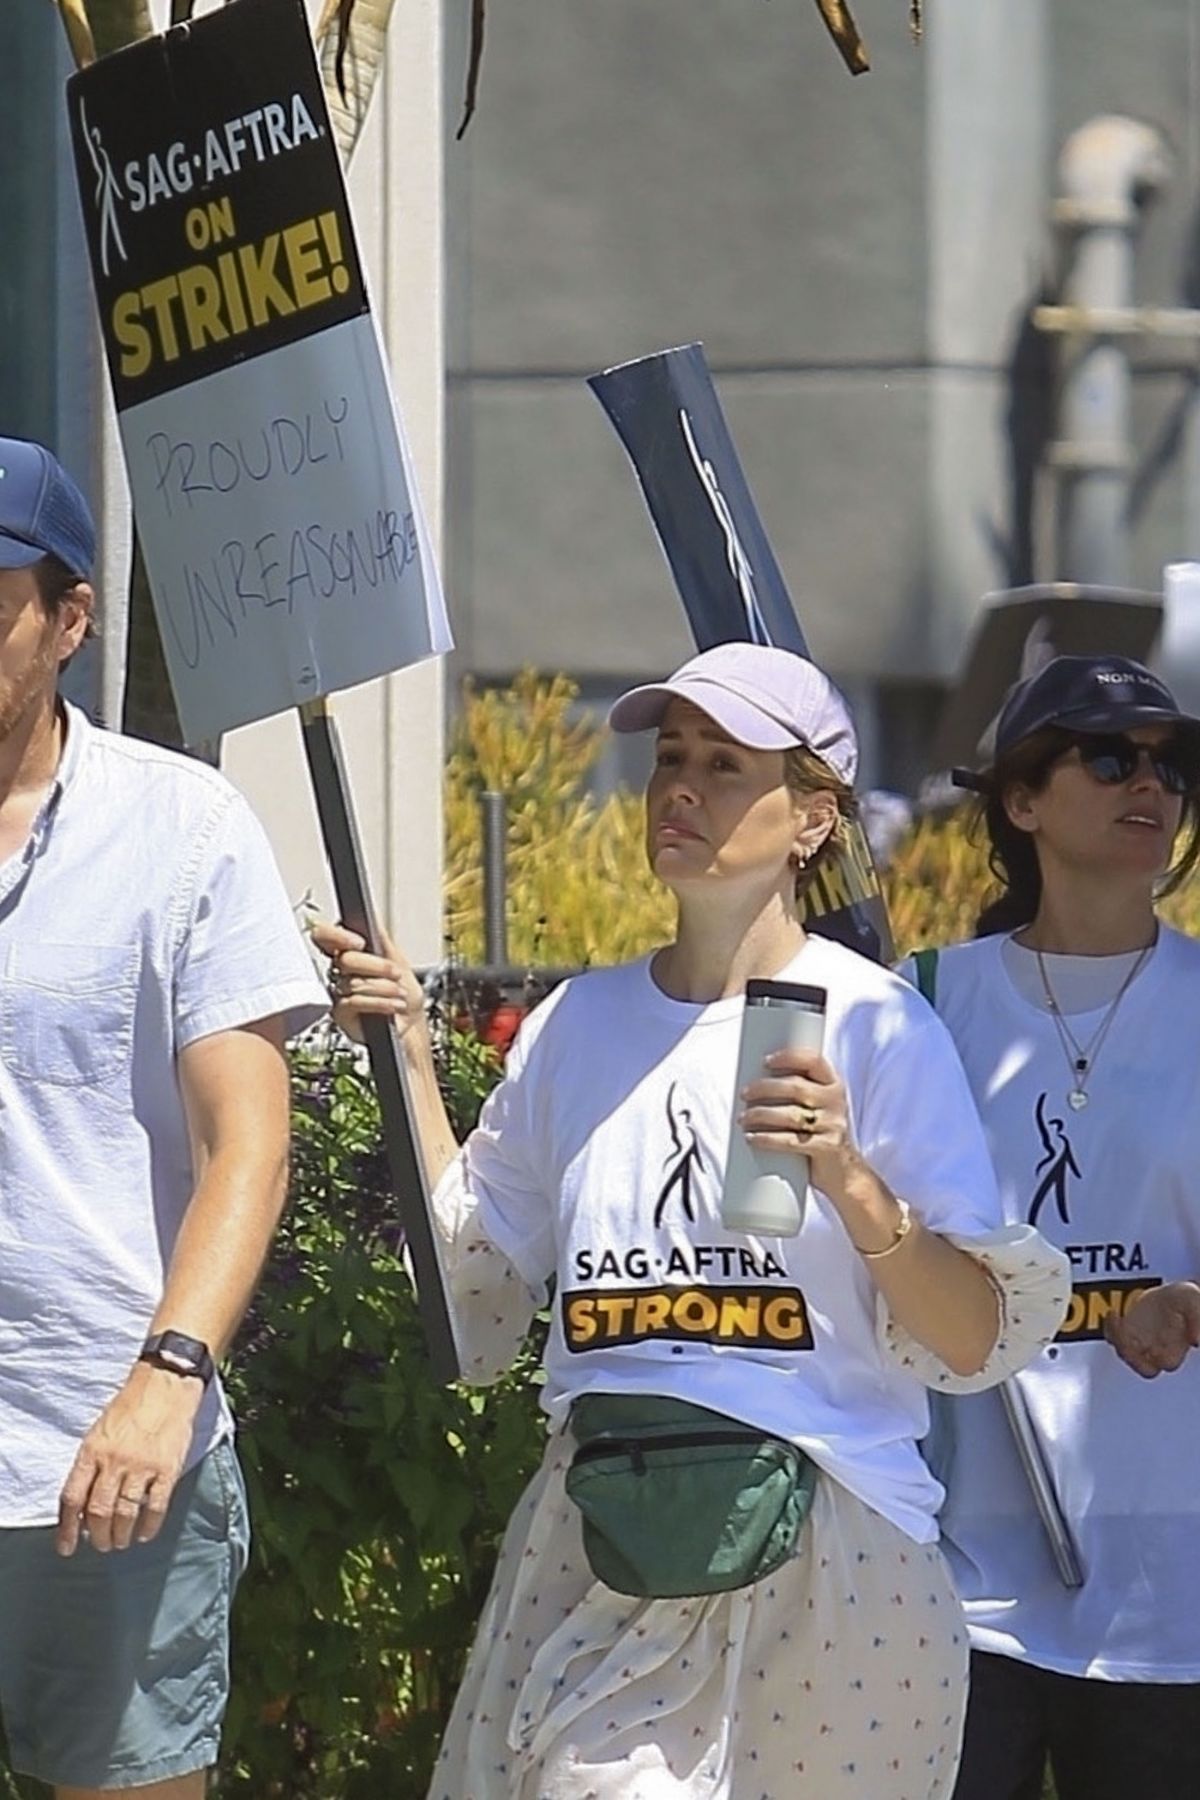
{"x": 108, "y": 192}
{"x": 682, "y": 1163}
{"x": 1055, "y": 1166}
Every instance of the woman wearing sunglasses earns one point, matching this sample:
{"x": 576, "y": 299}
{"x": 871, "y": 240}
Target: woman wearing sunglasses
{"x": 1077, "y": 1016}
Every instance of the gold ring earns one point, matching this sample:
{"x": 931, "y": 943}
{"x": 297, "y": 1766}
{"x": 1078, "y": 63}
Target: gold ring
{"x": 808, "y": 1117}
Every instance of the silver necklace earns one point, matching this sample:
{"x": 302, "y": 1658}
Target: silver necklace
{"x": 1081, "y": 1058}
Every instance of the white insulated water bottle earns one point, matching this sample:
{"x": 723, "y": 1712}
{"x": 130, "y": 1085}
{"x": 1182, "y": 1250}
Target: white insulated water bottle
{"x": 764, "y": 1190}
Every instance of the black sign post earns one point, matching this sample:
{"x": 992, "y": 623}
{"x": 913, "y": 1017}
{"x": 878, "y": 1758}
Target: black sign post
{"x": 323, "y": 749}
{"x": 667, "y": 415}
{"x": 283, "y": 539}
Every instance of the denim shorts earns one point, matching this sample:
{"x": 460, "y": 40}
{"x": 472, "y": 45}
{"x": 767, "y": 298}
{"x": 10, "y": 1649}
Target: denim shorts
{"x": 114, "y": 1669}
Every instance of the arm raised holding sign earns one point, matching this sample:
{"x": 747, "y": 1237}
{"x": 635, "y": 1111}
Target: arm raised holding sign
{"x": 492, "y": 1305}
{"x": 364, "y": 985}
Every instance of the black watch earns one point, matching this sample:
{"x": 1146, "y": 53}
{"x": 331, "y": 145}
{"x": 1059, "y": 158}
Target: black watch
{"x": 180, "y": 1354}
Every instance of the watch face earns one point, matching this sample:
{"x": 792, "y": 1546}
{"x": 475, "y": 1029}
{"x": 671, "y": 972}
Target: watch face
{"x": 181, "y": 1354}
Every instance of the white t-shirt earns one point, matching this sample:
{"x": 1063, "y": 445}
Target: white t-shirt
{"x": 598, "y": 1162}
{"x": 144, "y": 912}
{"x": 1117, "y": 1186}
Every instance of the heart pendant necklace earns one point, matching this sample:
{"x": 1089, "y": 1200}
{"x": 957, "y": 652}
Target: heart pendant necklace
{"x": 1081, "y": 1058}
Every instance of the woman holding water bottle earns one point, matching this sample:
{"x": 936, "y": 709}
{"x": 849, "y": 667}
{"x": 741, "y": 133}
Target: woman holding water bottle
{"x": 724, "y": 1582}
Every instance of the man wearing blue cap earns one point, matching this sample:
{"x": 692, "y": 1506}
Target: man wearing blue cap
{"x": 150, "y": 969}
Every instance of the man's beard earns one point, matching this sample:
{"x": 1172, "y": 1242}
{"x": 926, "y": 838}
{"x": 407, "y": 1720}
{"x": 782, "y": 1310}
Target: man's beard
{"x": 23, "y": 693}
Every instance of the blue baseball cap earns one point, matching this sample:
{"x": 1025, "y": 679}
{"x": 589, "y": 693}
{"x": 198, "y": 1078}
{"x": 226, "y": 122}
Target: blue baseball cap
{"x": 1089, "y": 695}
{"x": 42, "y": 512}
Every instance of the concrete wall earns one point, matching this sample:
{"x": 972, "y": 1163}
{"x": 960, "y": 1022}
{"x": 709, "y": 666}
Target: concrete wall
{"x": 860, "y": 259}
{"x": 28, "y": 210}
{"x": 641, "y": 175}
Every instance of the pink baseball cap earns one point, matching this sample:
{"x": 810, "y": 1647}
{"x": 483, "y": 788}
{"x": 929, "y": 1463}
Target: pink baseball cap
{"x": 765, "y": 698}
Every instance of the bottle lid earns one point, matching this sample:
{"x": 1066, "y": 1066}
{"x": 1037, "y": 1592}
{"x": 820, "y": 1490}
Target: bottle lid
{"x": 761, "y": 993}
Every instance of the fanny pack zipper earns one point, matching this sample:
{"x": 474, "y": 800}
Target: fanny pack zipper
{"x": 636, "y": 1448}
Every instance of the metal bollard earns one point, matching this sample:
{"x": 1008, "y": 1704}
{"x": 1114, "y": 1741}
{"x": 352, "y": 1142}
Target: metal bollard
{"x": 494, "y": 810}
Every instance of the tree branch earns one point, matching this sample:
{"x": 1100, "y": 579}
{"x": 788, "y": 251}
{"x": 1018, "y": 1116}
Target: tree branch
{"x": 79, "y": 32}
{"x": 840, "y": 25}
{"x": 476, "y": 59}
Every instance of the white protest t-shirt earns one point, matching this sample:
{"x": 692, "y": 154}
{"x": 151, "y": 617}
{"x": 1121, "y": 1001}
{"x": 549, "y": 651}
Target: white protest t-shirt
{"x": 598, "y": 1162}
{"x": 1117, "y": 1186}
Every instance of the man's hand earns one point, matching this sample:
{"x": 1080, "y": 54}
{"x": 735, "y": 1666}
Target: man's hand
{"x": 1158, "y": 1330}
{"x": 123, "y": 1477}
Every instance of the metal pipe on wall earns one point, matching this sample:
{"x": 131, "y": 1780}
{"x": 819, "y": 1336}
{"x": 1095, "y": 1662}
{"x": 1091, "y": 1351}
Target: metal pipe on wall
{"x": 1107, "y": 170}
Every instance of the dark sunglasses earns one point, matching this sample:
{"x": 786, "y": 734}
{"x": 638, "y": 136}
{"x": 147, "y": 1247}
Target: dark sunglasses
{"x": 1114, "y": 758}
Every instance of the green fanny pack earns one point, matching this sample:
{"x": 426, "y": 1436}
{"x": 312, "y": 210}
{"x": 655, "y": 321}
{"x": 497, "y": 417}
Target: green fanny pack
{"x": 677, "y": 1500}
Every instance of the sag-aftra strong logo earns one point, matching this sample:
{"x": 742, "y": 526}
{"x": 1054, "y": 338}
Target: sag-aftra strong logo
{"x": 768, "y": 1317}
{"x": 1115, "y": 1275}
{"x": 664, "y": 1287}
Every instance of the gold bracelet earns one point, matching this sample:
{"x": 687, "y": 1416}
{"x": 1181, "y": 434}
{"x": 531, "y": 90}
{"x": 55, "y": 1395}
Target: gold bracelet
{"x": 902, "y": 1230}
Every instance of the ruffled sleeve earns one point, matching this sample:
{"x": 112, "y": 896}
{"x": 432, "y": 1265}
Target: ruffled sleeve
{"x": 1033, "y": 1282}
{"x": 491, "y": 1305}
{"x": 494, "y": 1216}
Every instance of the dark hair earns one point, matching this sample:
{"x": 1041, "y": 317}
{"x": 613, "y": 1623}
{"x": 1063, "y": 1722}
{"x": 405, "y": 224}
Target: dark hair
{"x": 55, "y": 583}
{"x": 1012, "y": 854}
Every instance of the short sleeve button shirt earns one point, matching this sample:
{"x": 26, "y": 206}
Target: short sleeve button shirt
{"x": 144, "y": 912}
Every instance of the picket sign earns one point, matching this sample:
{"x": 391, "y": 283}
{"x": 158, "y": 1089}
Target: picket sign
{"x": 273, "y": 489}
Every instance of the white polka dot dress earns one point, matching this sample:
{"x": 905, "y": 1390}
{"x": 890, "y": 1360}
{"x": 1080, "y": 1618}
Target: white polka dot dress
{"x": 844, "y": 1673}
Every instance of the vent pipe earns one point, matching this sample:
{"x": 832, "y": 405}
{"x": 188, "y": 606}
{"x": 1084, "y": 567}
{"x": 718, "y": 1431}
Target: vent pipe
{"x": 1108, "y": 169}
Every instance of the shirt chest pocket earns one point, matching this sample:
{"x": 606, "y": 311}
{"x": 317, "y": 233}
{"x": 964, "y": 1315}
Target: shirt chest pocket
{"x": 68, "y": 1012}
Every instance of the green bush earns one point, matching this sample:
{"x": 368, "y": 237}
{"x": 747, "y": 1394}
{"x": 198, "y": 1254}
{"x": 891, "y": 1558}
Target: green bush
{"x": 578, "y": 889}
{"x": 378, "y": 1498}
